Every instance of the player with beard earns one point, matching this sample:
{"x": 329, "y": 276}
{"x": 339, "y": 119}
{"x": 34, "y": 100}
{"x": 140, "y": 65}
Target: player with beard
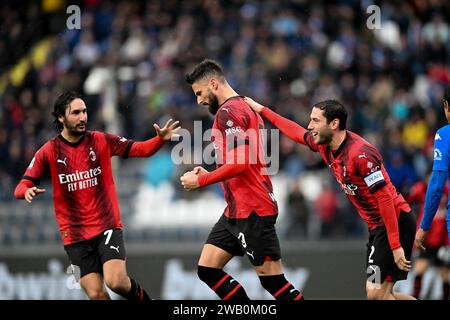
{"x": 85, "y": 200}
{"x": 247, "y": 226}
{"x": 357, "y": 166}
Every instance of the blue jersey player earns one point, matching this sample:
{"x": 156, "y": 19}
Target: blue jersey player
{"x": 441, "y": 167}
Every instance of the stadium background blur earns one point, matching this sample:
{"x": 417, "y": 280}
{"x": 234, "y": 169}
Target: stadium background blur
{"x": 128, "y": 60}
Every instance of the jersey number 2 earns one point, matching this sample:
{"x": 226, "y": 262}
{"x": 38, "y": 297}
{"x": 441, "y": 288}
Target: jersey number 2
{"x": 372, "y": 250}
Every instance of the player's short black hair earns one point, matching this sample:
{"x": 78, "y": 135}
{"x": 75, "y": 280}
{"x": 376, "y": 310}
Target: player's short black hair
{"x": 61, "y": 103}
{"x": 333, "y": 109}
{"x": 447, "y": 94}
{"x": 206, "y": 68}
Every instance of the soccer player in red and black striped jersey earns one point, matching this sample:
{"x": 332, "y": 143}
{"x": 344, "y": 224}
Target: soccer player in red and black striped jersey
{"x": 85, "y": 200}
{"x": 247, "y": 226}
{"x": 357, "y": 166}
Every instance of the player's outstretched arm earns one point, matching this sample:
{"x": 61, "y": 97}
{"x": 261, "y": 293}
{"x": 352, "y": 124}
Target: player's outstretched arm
{"x": 149, "y": 147}
{"x": 235, "y": 165}
{"x": 191, "y": 181}
{"x": 256, "y": 106}
{"x": 26, "y": 190}
{"x": 169, "y": 130}
{"x": 289, "y": 128}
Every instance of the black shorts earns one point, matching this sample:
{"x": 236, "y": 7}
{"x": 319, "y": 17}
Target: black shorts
{"x": 90, "y": 255}
{"x": 379, "y": 258}
{"x": 254, "y": 236}
{"x": 434, "y": 256}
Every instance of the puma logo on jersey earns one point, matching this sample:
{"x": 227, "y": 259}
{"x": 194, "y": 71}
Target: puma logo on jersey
{"x": 62, "y": 161}
{"x": 362, "y": 156}
{"x": 225, "y": 109}
{"x": 115, "y": 248}
{"x": 251, "y": 255}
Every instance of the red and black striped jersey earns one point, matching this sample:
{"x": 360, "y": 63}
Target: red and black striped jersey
{"x": 358, "y": 168}
{"x": 84, "y": 194}
{"x": 235, "y": 124}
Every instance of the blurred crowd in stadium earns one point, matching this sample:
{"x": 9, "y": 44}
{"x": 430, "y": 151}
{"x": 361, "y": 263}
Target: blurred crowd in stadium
{"x": 129, "y": 60}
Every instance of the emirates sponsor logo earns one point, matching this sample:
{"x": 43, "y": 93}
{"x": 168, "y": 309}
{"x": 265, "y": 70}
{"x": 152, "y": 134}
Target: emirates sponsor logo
{"x": 79, "y": 175}
{"x": 80, "y": 179}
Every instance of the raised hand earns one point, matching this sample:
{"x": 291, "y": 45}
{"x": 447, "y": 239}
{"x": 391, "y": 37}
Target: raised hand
{"x": 169, "y": 131}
